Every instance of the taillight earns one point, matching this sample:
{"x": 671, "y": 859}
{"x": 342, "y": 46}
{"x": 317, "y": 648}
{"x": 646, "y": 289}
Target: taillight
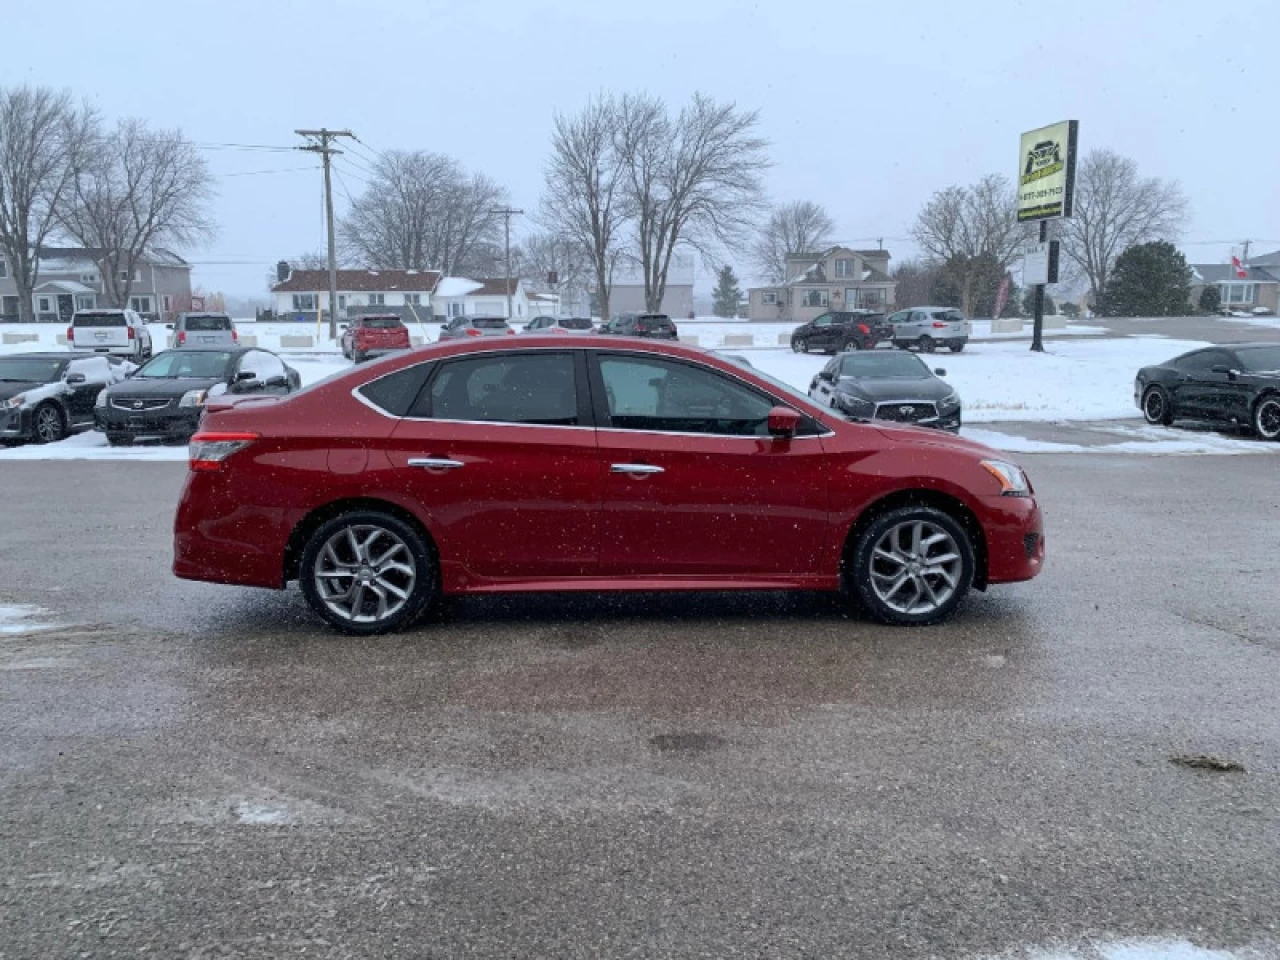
{"x": 939, "y": 325}
{"x": 510, "y": 330}
{"x": 132, "y": 333}
{"x": 864, "y": 328}
{"x": 473, "y": 332}
{"x": 235, "y": 337}
{"x": 182, "y": 337}
{"x": 71, "y": 334}
{"x": 208, "y": 451}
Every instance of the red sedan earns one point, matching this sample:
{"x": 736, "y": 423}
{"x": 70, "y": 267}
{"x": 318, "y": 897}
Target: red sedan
{"x": 576, "y": 463}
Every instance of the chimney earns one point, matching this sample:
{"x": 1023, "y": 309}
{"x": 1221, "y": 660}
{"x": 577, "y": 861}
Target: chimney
{"x": 283, "y": 271}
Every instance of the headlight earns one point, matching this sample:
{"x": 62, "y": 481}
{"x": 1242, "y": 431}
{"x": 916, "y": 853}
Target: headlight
{"x": 1013, "y": 482}
{"x": 949, "y": 402}
{"x": 855, "y": 405}
{"x": 193, "y": 398}
{"x": 13, "y": 403}
{"x": 102, "y": 399}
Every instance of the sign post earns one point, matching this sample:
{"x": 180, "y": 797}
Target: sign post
{"x": 1046, "y": 191}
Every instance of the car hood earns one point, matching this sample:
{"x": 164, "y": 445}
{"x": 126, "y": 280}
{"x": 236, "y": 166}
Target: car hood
{"x": 905, "y": 433}
{"x": 148, "y": 387}
{"x": 8, "y": 390}
{"x": 895, "y": 388}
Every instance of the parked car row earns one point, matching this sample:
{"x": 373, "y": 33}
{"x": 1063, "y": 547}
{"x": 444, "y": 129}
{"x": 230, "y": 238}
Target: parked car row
{"x": 921, "y": 328}
{"x": 46, "y": 396}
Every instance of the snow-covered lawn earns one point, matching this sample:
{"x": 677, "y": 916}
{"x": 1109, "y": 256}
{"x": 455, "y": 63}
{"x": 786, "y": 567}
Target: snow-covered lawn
{"x": 1071, "y": 380}
{"x": 1143, "y": 439}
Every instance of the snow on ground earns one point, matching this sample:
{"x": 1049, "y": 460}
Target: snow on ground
{"x": 16, "y": 619}
{"x": 1152, "y": 441}
{"x": 1255, "y": 320}
{"x": 1140, "y": 949}
{"x": 1071, "y": 380}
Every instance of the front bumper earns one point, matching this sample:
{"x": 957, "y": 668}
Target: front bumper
{"x": 169, "y": 423}
{"x": 1014, "y": 532}
{"x": 16, "y": 424}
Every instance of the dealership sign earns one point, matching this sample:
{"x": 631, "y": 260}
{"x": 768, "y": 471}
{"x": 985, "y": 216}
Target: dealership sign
{"x": 1047, "y": 172}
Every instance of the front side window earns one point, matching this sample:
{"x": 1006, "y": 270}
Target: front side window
{"x": 534, "y": 388}
{"x": 1202, "y": 361}
{"x": 646, "y": 393}
{"x": 823, "y": 321}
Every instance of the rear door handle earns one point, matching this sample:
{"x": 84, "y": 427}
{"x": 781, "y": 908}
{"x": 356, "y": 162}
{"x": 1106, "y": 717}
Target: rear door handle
{"x": 436, "y": 463}
{"x": 635, "y": 469}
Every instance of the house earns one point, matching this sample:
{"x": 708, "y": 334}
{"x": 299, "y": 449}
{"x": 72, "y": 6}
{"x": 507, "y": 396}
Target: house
{"x": 301, "y": 294}
{"x": 460, "y": 296}
{"x": 70, "y": 279}
{"x": 1259, "y": 288}
{"x": 626, "y": 295}
{"x": 835, "y": 279}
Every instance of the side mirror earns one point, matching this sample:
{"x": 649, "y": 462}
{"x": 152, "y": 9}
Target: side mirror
{"x": 783, "y": 422}
{"x": 940, "y": 371}
{"x": 74, "y": 378}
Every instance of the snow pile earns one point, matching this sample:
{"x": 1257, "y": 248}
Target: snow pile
{"x": 17, "y": 619}
{"x": 1139, "y": 949}
{"x": 92, "y": 445}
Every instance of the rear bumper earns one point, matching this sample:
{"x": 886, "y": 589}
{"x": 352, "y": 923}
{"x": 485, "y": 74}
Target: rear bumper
{"x": 170, "y": 423}
{"x": 219, "y": 539}
{"x": 1014, "y": 532}
{"x": 380, "y": 351}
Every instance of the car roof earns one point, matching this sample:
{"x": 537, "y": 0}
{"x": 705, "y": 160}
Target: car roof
{"x": 50, "y": 355}
{"x": 209, "y": 348}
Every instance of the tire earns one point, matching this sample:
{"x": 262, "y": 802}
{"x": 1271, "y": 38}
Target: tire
{"x": 375, "y": 533}
{"x": 48, "y": 425}
{"x": 119, "y": 440}
{"x": 1156, "y": 407}
{"x": 881, "y": 566}
{"x": 357, "y": 358}
{"x": 800, "y": 345}
{"x": 956, "y": 347}
{"x": 901, "y": 345}
{"x": 851, "y": 345}
{"x": 1266, "y": 417}
{"x": 926, "y": 344}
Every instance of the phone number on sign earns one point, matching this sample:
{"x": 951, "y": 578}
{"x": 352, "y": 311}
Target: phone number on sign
{"x": 1041, "y": 194}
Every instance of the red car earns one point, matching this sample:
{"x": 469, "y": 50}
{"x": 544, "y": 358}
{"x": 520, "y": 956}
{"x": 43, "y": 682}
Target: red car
{"x": 374, "y": 335}
{"x": 588, "y": 463}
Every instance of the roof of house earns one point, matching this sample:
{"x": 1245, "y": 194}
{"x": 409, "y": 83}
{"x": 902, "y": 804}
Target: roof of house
{"x": 90, "y": 255}
{"x": 1266, "y": 260}
{"x": 360, "y": 281}
{"x": 872, "y": 275}
{"x": 63, "y": 286}
{"x": 1226, "y": 273}
{"x": 839, "y": 248}
{"x": 456, "y": 287}
{"x": 490, "y": 287}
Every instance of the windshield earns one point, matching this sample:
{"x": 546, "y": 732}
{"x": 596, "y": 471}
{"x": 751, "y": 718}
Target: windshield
{"x": 32, "y": 369}
{"x": 882, "y": 365}
{"x": 98, "y": 320}
{"x": 206, "y": 323}
{"x": 1260, "y": 358}
{"x": 187, "y": 364}
{"x": 381, "y": 323}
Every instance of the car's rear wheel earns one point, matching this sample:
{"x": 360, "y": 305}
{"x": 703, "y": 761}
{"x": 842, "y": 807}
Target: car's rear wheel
{"x": 48, "y": 424}
{"x": 1266, "y": 418}
{"x": 367, "y": 572}
{"x": 851, "y": 345}
{"x": 357, "y": 357}
{"x": 926, "y": 344}
{"x": 799, "y": 345}
{"x": 956, "y": 347}
{"x": 1156, "y": 408}
{"x": 911, "y": 566}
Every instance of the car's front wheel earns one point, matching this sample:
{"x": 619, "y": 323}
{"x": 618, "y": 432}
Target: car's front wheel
{"x": 48, "y": 424}
{"x": 911, "y": 567}
{"x": 1266, "y": 418}
{"x": 851, "y": 345}
{"x": 799, "y": 345}
{"x": 1156, "y": 408}
{"x": 367, "y": 572}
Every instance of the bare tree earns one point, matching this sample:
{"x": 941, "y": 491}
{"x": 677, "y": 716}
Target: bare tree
{"x": 793, "y": 228}
{"x": 1115, "y": 209}
{"x": 141, "y": 191}
{"x": 694, "y": 181}
{"x": 916, "y": 281}
{"x": 544, "y": 254}
{"x": 967, "y": 228}
{"x": 582, "y": 201}
{"x": 310, "y": 260}
{"x": 44, "y": 141}
{"x": 421, "y": 211}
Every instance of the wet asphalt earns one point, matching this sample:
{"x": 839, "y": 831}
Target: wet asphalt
{"x": 196, "y": 771}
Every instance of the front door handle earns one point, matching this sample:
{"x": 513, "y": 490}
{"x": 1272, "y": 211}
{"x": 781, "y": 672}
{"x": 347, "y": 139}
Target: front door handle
{"x": 436, "y": 463}
{"x": 635, "y": 469}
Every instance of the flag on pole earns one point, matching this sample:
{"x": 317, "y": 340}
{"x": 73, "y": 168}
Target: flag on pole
{"x": 1241, "y": 272}
{"x": 1002, "y": 297}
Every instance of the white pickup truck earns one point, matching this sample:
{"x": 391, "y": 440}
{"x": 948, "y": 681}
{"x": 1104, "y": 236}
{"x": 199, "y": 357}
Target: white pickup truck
{"x": 119, "y": 332}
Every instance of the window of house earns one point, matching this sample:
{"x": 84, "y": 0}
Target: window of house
{"x": 1237, "y": 292}
{"x": 814, "y": 298}
{"x": 377, "y": 299}
{"x": 455, "y": 310}
{"x": 649, "y": 394}
{"x": 304, "y": 301}
{"x": 84, "y": 301}
{"x": 769, "y": 298}
{"x": 342, "y": 301}
{"x": 88, "y": 278}
{"x": 166, "y": 303}
{"x": 123, "y": 276}
{"x": 538, "y": 388}
{"x": 44, "y": 305}
{"x": 4, "y": 268}
{"x": 844, "y": 268}
{"x": 140, "y": 304}
{"x": 413, "y": 298}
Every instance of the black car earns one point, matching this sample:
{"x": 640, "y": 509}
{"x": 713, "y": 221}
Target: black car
{"x": 841, "y": 330}
{"x": 165, "y": 397}
{"x": 888, "y": 386}
{"x": 45, "y": 396}
{"x": 654, "y": 326}
{"x": 1235, "y": 383}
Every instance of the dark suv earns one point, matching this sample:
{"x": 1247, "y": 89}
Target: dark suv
{"x": 655, "y": 326}
{"x": 837, "y": 331}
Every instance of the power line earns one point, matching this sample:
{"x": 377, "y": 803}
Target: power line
{"x": 257, "y": 173}
{"x": 342, "y": 184}
{"x": 377, "y": 153}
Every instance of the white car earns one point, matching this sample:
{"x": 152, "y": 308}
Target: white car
{"x": 119, "y": 332}
{"x": 927, "y": 328}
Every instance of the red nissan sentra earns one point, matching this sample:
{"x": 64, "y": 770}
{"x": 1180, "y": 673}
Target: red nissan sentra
{"x": 572, "y": 463}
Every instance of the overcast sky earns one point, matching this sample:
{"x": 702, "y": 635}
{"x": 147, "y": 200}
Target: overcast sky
{"x": 870, "y": 107}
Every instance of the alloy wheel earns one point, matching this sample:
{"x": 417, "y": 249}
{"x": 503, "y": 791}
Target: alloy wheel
{"x": 1266, "y": 419}
{"x": 916, "y": 567}
{"x": 48, "y": 425}
{"x": 927, "y": 345}
{"x": 365, "y": 574}
{"x": 1153, "y": 406}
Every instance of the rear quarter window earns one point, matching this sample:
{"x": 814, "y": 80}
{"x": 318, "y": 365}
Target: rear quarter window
{"x": 395, "y": 393}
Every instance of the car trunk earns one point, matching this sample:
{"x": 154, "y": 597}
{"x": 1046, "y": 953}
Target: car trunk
{"x": 100, "y": 331}
{"x": 390, "y": 337}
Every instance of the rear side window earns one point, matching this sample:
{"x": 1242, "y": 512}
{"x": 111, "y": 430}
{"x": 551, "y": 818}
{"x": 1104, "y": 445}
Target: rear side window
{"x": 950, "y": 316}
{"x": 99, "y": 320}
{"x": 653, "y": 323}
{"x": 396, "y": 392}
{"x": 206, "y": 324}
{"x": 534, "y": 388}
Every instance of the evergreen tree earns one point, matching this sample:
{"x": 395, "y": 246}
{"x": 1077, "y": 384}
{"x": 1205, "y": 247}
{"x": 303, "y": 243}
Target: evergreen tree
{"x": 727, "y": 293}
{"x": 1149, "y": 280}
{"x": 1210, "y": 300}
{"x": 1029, "y": 303}
{"x": 1071, "y": 310}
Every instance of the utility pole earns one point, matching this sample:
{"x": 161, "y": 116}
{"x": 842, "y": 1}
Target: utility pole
{"x": 320, "y": 143}
{"x": 507, "y": 213}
